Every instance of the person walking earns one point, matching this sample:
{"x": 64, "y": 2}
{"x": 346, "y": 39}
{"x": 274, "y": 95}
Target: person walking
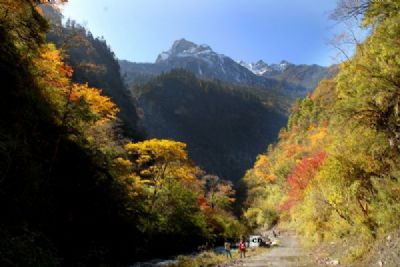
{"x": 242, "y": 249}
{"x": 227, "y": 246}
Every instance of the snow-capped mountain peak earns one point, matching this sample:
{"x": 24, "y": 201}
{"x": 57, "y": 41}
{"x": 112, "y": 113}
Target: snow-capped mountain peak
{"x": 182, "y": 45}
{"x": 184, "y": 48}
{"x": 204, "y": 62}
{"x": 283, "y": 64}
{"x": 260, "y": 64}
{"x": 260, "y": 67}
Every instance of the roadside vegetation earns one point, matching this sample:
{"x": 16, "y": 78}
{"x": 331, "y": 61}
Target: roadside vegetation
{"x": 210, "y": 258}
{"x": 334, "y": 174}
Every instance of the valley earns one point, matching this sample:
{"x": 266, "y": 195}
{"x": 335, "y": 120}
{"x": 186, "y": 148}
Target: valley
{"x": 227, "y": 112}
{"x": 110, "y": 162}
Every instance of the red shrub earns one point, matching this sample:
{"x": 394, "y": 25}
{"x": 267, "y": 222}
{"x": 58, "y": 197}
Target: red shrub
{"x": 300, "y": 177}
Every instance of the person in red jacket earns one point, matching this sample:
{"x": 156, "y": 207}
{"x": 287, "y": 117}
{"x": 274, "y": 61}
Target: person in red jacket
{"x": 242, "y": 249}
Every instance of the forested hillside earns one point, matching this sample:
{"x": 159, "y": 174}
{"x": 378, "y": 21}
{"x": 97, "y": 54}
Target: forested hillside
{"x": 93, "y": 63}
{"x": 334, "y": 174}
{"x": 225, "y": 126}
{"x": 72, "y": 192}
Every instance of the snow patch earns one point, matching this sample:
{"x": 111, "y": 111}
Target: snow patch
{"x": 164, "y": 56}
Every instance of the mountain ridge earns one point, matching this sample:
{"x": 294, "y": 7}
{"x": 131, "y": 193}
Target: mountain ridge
{"x": 205, "y": 63}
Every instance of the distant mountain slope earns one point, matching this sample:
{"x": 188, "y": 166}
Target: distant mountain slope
{"x": 306, "y": 76}
{"x": 199, "y": 59}
{"x": 224, "y": 126}
{"x": 225, "y": 111}
{"x": 207, "y": 64}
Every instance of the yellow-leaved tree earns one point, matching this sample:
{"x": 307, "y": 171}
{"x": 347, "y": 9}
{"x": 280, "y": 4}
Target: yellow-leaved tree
{"x": 172, "y": 189}
{"x": 75, "y": 106}
{"x": 81, "y": 111}
{"x": 159, "y": 162}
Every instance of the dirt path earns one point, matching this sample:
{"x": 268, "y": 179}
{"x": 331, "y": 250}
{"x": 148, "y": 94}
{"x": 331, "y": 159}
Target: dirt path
{"x": 288, "y": 254}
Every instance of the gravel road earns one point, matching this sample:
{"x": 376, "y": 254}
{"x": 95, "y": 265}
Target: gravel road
{"x": 288, "y": 254}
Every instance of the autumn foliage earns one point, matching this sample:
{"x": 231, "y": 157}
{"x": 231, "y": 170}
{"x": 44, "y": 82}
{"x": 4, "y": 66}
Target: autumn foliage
{"x": 76, "y": 190}
{"x": 299, "y": 179}
{"x": 336, "y": 165}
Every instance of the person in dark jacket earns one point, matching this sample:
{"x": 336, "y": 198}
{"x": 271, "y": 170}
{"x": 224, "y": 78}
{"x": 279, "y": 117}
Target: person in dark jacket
{"x": 227, "y": 246}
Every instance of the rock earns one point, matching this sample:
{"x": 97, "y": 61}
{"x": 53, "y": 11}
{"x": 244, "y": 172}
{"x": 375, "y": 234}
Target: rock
{"x": 388, "y": 238}
{"x": 380, "y": 263}
{"x": 275, "y": 242}
{"x": 333, "y": 262}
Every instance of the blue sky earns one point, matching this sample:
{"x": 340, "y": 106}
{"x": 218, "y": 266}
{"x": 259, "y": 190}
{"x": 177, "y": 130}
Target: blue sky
{"x": 272, "y": 30}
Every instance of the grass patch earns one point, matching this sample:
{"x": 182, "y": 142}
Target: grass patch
{"x": 210, "y": 258}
